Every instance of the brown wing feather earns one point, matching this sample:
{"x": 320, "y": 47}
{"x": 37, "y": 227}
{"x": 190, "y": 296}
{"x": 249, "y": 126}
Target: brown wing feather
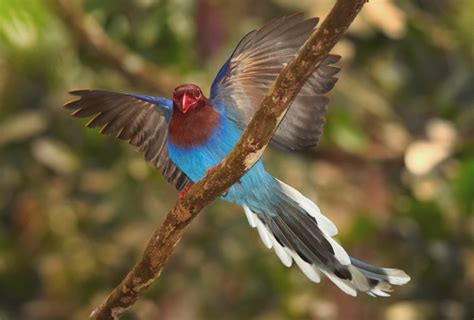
{"x": 257, "y": 61}
{"x": 128, "y": 118}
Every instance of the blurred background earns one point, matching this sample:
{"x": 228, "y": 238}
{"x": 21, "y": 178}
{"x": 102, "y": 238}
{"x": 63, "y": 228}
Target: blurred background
{"x": 394, "y": 171}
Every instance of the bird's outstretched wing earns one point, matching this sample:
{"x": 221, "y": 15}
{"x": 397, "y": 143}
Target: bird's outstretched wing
{"x": 141, "y": 120}
{"x": 257, "y": 60}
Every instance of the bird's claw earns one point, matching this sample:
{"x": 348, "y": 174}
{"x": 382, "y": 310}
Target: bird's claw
{"x": 210, "y": 169}
{"x": 226, "y": 192}
{"x": 183, "y": 192}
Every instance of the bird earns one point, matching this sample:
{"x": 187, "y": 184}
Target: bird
{"x": 187, "y": 136}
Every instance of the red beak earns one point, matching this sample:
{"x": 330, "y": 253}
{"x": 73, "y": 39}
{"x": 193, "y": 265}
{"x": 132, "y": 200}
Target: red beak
{"x": 187, "y": 103}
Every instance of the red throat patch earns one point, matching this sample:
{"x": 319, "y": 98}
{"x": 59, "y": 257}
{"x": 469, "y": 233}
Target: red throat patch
{"x": 194, "y": 127}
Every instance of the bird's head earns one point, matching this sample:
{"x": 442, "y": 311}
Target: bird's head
{"x": 187, "y": 97}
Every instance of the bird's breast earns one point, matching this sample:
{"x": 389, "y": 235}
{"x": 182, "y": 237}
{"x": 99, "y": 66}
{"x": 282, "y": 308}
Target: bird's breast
{"x": 196, "y": 154}
{"x": 194, "y": 159}
{"x": 193, "y": 128}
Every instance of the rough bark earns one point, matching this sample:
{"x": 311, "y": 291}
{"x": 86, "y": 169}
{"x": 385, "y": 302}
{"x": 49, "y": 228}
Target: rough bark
{"x": 246, "y": 152}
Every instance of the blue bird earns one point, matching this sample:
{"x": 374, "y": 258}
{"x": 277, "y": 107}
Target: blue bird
{"x": 189, "y": 135}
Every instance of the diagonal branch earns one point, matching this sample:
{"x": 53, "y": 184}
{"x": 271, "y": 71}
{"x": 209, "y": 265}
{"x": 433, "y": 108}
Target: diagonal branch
{"x": 244, "y": 155}
{"x": 91, "y": 35}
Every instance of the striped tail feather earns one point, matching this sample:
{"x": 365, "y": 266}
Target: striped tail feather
{"x": 298, "y": 232}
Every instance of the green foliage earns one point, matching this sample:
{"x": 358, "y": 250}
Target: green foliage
{"x": 344, "y": 132}
{"x": 463, "y": 187}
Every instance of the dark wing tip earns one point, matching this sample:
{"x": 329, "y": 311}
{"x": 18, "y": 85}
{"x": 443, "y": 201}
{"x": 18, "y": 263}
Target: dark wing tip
{"x": 333, "y": 58}
{"x": 87, "y": 92}
{"x": 83, "y": 96}
{"x": 314, "y": 21}
{"x": 80, "y": 92}
{"x": 70, "y": 104}
{"x": 74, "y": 105}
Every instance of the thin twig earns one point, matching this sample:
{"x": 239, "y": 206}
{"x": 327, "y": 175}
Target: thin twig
{"x": 244, "y": 155}
{"x": 91, "y": 36}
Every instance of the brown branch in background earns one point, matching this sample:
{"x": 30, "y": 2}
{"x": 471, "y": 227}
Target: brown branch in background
{"x": 244, "y": 155}
{"x": 91, "y": 35}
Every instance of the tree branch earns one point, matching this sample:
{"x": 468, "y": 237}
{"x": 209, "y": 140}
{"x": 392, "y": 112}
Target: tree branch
{"x": 244, "y": 155}
{"x": 91, "y": 36}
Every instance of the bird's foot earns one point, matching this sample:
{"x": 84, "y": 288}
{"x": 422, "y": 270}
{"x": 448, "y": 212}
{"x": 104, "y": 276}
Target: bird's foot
{"x": 226, "y": 192}
{"x": 183, "y": 192}
{"x": 210, "y": 169}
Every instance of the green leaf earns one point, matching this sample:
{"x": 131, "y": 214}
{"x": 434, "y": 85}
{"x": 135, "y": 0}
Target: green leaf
{"x": 429, "y": 218}
{"x": 345, "y": 132}
{"x": 463, "y": 185}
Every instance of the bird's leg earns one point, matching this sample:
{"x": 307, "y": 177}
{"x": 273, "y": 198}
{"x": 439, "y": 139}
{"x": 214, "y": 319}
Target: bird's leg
{"x": 210, "y": 169}
{"x": 183, "y": 192}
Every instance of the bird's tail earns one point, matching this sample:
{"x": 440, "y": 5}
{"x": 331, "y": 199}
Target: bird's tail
{"x": 298, "y": 231}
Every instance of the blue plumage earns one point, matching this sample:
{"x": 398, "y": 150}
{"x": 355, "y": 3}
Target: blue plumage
{"x": 189, "y": 135}
{"x": 163, "y": 104}
{"x": 196, "y": 160}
